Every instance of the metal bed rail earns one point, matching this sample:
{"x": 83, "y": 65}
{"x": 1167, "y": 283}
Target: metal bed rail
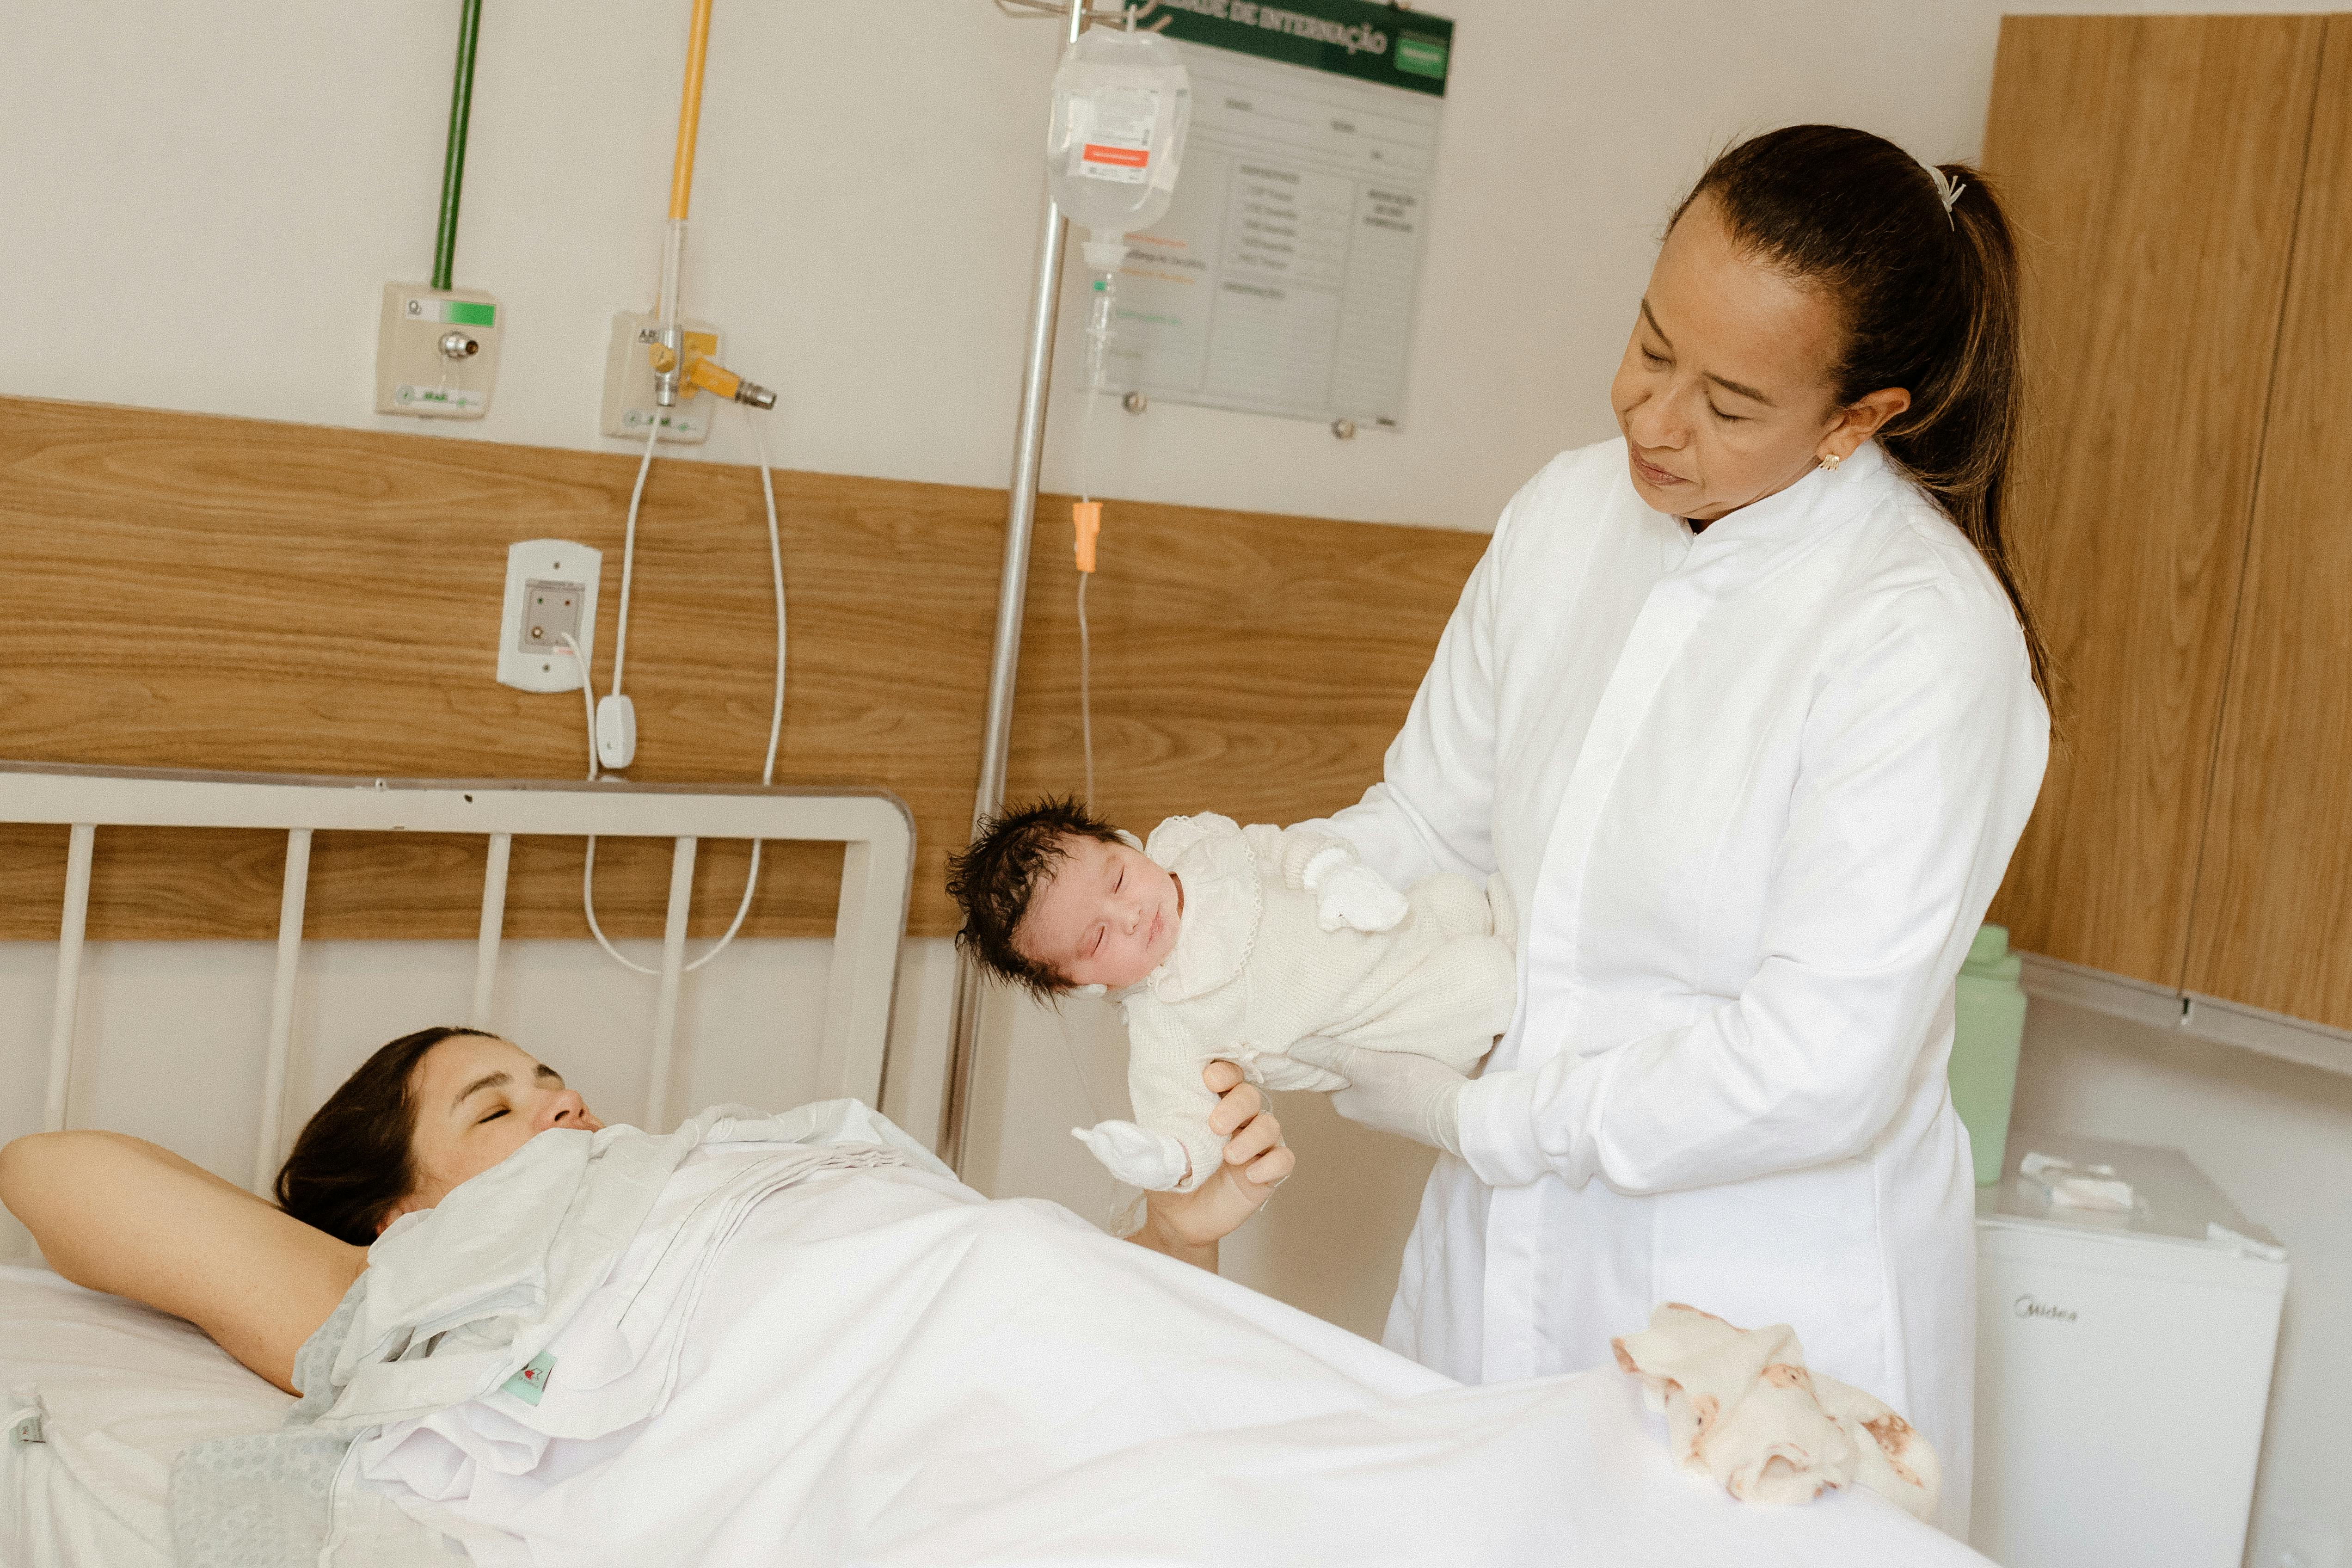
{"x": 874, "y": 827}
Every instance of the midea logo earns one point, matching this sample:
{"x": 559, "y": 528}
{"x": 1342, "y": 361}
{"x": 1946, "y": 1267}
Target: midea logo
{"x": 2027, "y": 1307}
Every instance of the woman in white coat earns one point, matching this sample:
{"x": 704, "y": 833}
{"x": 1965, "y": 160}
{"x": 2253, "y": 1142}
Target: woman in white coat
{"x": 1746, "y": 706}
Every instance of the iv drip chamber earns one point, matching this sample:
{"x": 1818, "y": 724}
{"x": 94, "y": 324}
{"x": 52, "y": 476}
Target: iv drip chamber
{"x": 1121, "y": 103}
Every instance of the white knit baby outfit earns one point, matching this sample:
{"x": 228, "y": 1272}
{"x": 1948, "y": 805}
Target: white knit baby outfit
{"x": 1253, "y": 969}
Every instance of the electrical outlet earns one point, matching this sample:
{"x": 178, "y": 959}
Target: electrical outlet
{"x": 551, "y": 590}
{"x": 629, "y": 407}
{"x": 437, "y": 353}
{"x": 550, "y": 612}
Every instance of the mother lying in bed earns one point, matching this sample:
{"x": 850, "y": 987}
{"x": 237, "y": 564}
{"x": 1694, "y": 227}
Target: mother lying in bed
{"x": 424, "y": 1114}
{"x": 798, "y": 1340}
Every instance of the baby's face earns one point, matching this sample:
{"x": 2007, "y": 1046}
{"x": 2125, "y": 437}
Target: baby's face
{"x": 1108, "y": 917}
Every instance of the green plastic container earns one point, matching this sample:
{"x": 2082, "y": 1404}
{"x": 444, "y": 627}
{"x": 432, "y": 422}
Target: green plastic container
{"x": 1991, "y": 1008}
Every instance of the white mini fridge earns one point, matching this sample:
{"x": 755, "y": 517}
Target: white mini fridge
{"x": 2123, "y": 1366}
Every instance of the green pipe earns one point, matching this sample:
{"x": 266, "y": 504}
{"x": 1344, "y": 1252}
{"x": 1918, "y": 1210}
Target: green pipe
{"x": 453, "y": 164}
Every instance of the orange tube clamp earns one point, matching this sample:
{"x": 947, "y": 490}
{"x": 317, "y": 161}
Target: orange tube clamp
{"x": 1087, "y": 516}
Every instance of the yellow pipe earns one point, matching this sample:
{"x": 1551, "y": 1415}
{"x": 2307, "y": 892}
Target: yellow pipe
{"x": 713, "y": 378}
{"x": 690, "y": 112}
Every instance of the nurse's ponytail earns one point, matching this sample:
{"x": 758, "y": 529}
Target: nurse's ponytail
{"x": 1928, "y": 287}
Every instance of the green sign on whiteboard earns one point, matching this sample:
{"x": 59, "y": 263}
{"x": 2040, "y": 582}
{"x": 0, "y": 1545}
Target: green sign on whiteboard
{"x": 1347, "y": 38}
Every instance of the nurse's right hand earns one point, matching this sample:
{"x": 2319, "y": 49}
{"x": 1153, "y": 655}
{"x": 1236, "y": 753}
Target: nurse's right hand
{"x": 1391, "y": 1091}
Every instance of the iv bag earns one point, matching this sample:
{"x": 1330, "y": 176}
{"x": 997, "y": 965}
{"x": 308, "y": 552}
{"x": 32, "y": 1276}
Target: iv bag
{"x": 1121, "y": 101}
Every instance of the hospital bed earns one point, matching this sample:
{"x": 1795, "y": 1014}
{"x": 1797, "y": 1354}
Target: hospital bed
{"x": 98, "y": 1395}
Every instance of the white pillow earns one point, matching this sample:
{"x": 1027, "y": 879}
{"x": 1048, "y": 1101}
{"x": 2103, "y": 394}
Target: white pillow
{"x": 123, "y": 1388}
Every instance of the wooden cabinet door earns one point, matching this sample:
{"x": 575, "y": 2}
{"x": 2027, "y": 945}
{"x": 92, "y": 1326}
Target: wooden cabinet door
{"x": 2273, "y": 925}
{"x": 2151, "y": 167}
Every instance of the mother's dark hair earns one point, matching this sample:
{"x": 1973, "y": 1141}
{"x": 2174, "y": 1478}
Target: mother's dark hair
{"x": 351, "y": 1166}
{"x": 1928, "y": 298}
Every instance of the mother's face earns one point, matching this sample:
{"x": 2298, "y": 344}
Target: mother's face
{"x": 1724, "y": 395}
{"x": 478, "y": 1100}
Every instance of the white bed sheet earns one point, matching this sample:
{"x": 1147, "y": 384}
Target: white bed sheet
{"x": 1566, "y": 1472}
{"x": 881, "y": 1368}
{"x": 119, "y": 1390}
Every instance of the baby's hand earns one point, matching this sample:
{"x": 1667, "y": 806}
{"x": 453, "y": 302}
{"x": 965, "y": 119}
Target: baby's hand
{"x": 1358, "y": 897}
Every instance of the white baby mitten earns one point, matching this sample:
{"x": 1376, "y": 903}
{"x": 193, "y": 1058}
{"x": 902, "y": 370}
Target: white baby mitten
{"x": 1137, "y": 1156}
{"x": 1349, "y": 894}
{"x": 1356, "y": 898}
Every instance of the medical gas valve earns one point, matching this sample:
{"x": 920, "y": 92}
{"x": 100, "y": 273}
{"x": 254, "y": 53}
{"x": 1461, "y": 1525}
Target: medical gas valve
{"x": 436, "y": 351}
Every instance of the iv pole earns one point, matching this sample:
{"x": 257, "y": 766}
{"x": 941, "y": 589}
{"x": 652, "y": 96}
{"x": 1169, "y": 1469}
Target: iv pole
{"x": 1020, "y": 516}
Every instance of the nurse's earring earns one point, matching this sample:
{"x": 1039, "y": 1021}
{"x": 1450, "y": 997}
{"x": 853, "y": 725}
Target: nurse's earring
{"x": 1830, "y": 460}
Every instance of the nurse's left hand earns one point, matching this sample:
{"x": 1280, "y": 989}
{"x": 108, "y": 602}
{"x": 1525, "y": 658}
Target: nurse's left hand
{"x": 1188, "y": 1225}
{"x": 1391, "y": 1091}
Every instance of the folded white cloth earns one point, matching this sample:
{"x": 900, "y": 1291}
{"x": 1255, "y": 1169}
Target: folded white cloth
{"x": 2072, "y": 1186}
{"x": 1741, "y": 1406}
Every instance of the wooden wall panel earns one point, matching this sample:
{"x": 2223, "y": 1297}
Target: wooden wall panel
{"x": 1256, "y": 671}
{"x": 2273, "y": 918}
{"x": 2150, "y": 166}
{"x": 179, "y": 590}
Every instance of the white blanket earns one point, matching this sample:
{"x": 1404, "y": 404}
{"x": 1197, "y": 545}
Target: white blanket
{"x": 879, "y": 1367}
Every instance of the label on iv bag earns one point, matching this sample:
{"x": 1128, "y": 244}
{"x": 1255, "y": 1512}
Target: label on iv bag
{"x": 1112, "y": 137}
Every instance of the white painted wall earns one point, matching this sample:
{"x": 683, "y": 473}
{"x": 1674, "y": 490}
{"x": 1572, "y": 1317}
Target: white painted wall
{"x": 208, "y": 200}
{"x": 204, "y": 203}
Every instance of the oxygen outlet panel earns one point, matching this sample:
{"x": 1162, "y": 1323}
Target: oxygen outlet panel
{"x": 630, "y": 406}
{"x": 437, "y": 353}
{"x": 551, "y": 591}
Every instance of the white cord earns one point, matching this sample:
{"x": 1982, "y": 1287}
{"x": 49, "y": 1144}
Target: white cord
{"x": 775, "y": 710}
{"x": 629, "y": 564}
{"x": 587, "y": 700}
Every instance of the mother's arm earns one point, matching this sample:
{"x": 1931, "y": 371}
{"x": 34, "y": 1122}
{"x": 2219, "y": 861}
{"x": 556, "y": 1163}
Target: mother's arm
{"x": 118, "y": 1214}
{"x": 1187, "y": 1226}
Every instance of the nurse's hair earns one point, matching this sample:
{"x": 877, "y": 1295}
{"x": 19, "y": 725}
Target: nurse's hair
{"x": 997, "y": 878}
{"x": 354, "y": 1161}
{"x": 1928, "y": 289}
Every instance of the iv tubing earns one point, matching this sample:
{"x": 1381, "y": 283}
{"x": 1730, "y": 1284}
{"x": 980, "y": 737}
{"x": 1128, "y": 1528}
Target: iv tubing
{"x": 1097, "y": 335}
{"x": 453, "y": 159}
{"x": 1085, "y": 692}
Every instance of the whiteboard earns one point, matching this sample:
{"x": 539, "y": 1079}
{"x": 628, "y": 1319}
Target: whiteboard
{"x": 1283, "y": 278}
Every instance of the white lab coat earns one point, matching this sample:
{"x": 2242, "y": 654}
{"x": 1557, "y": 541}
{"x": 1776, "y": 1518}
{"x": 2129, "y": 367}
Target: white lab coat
{"x": 1753, "y": 791}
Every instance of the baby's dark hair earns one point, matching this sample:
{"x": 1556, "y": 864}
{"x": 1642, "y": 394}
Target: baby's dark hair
{"x": 997, "y": 878}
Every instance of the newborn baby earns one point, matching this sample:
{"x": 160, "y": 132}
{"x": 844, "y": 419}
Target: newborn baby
{"x": 1230, "y": 943}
